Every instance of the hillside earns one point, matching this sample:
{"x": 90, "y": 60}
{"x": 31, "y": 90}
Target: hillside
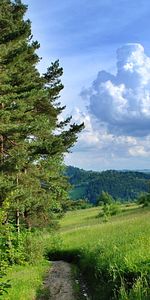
{"x": 113, "y": 255}
{"x": 120, "y": 184}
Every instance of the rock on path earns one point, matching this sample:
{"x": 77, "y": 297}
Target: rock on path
{"x": 59, "y": 282}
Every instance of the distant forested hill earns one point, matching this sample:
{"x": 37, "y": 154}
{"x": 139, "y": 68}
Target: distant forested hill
{"x": 120, "y": 184}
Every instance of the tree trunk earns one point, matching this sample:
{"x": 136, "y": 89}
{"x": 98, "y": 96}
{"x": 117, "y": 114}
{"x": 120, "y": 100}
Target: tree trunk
{"x": 17, "y": 214}
{"x": 2, "y": 141}
{"x": 2, "y": 148}
{"x": 18, "y": 221}
{"x": 27, "y": 220}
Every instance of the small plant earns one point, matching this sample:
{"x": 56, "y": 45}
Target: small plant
{"x": 109, "y": 210}
{"x": 115, "y": 208}
{"x": 4, "y": 284}
{"x": 33, "y": 247}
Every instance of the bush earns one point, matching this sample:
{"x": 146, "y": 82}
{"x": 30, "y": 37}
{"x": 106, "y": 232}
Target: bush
{"x": 76, "y": 204}
{"x": 110, "y": 210}
{"x": 144, "y": 199}
{"x": 115, "y": 208}
{"x": 4, "y": 284}
{"x": 33, "y": 247}
{"x": 104, "y": 198}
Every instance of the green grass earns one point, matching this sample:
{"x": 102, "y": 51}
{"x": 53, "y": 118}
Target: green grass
{"x": 114, "y": 256}
{"x": 78, "y": 218}
{"x": 89, "y": 217}
{"x": 26, "y": 281}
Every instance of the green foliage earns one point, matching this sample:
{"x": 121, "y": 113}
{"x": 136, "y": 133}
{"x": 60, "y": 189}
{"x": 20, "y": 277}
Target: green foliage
{"x": 144, "y": 199}
{"x": 33, "y": 247}
{"x": 33, "y": 141}
{"x": 123, "y": 185}
{"x": 75, "y": 204}
{"x": 27, "y": 247}
{"x": 104, "y": 198}
{"x": 140, "y": 290}
{"x": 109, "y": 210}
{"x": 54, "y": 243}
{"x": 4, "y": 283}
{"x": 115, "y": 208}
{"x": 109, "y": 206}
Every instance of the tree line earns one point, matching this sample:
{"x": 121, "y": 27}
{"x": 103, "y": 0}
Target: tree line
{"x": 122, "y": 185}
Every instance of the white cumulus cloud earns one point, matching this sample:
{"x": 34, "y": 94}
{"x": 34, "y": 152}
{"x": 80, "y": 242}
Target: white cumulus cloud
{"x": 116, "y": 116}
{"x": 122, "y": 102}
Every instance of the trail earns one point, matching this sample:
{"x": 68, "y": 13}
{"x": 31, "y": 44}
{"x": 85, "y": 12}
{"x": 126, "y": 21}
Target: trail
{"x": 60, "y": 283}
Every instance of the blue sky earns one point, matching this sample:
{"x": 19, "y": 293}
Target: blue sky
{"x": 114, "y": 104}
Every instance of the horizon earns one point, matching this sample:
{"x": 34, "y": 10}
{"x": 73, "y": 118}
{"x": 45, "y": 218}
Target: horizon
{"x": 104, "y": 50}
{"x": 119, "y": 170}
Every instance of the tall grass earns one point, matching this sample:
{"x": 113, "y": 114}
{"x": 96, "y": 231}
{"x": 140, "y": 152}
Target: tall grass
{"x": 114, "y": 256}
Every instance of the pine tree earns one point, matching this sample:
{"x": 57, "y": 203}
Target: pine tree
{"x": 31, "y": 149}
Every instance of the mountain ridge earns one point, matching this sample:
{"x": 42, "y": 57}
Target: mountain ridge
{"x": 123, "y": 184}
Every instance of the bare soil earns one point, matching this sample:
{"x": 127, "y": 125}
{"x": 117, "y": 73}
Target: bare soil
{"x": 59, "y": 283}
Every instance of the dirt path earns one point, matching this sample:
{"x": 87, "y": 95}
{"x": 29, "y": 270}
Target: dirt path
{"x": 59, "y": 282}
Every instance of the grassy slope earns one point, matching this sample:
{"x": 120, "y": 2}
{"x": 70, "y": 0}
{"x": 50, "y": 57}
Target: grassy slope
{"x": 26, "y": 281}
{"x": 116, "y": 254}
{"x": 87, "y": 217}
{"x": 111, "y": 253}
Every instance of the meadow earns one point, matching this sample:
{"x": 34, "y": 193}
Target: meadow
{"x": 113, "y": 256}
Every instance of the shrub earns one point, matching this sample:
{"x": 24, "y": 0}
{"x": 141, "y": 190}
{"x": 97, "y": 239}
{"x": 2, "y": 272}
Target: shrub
{"x": 33, "y": 247}
{"x": 144, "y": 199}
{"x": 104, "y": 198}
{"x": 4, "y": 284}
{"x": 115, "y": 208}
{"x": 110, "y": 210}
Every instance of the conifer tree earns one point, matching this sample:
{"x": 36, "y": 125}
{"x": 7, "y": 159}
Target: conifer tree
{"x": 31, "y": 149}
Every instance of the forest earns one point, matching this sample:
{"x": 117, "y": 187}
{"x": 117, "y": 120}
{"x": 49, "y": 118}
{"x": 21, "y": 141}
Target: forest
{"x": 121, "y": 185}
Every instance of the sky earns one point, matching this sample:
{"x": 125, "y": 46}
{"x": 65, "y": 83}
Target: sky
{"x": 104, "y": 49}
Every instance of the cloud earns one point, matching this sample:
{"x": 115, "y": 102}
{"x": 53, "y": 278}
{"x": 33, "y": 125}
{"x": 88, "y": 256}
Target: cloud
{"x": 98, "y": 149}
{"x": 96, "y": 142}
{"x": 121, "y": 102}
{"x": 141, "y": 148}
{"x": 117, "y": 116}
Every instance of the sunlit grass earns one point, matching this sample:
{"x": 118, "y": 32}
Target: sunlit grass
{"x": 78, "y": 218}
{"x": 116, "y": 254}
{"x": 123, "y": 229}
{"x": 26, "y": 281}
{"x": 87, "y": 217}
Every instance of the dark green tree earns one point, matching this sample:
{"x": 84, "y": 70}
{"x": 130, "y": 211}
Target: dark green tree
{"x": 104, "y": 198}
{"x": 32, "y": 140}
{"x": 144, "y": 199}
